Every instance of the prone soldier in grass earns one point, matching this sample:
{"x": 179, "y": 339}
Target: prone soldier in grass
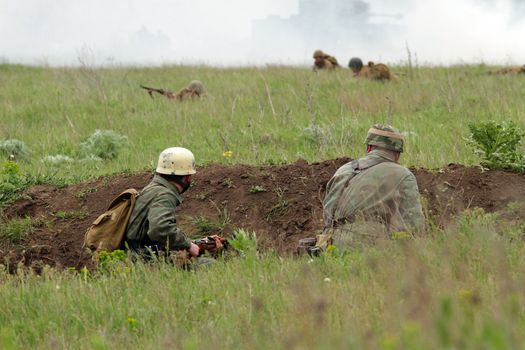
{"x": 193, "y": 90}
{"x": 372, "y": 197}
{"x": 373, "y": 71}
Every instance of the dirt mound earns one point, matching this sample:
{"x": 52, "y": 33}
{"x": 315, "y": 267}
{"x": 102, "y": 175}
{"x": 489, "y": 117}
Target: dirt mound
{"x": 280, "y": 203}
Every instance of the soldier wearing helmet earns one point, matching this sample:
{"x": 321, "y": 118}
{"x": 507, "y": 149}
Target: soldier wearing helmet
{"x": 195, "y": 89}
{"x": 374, "y": 196}
{"x": 324, "y": 61}
{"x": 152, "y": 225}
{"x": 373, "y": 71}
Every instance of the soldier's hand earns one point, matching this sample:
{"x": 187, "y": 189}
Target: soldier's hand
{"x": 218, "y": 243}
{"x": 194, "y": 250}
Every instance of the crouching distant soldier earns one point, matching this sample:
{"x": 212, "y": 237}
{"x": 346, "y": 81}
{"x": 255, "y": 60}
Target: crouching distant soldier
{"x": 152, "y": 229}
{"x": 324, "y": 61}
{"x": 193, "y": 90}
{"x": 373, "y": 197}
{"x": 371, "y": 71}
{"x": 516, "y": 70}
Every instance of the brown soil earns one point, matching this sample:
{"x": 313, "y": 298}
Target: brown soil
{"x": 288, "y": 209}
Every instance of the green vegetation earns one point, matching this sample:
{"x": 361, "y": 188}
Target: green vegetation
{"x": 16, "y": 229}
{"x": 456, "y": 288}
{"x": 14, "y": 149}
{"x": 205, "y": 225}
{"x": 462, "y": 289}
{"x": 257, "y": 189}
{"x": 71, "y": 215}
{"x": 498, "y": 144}
{"x": 300, "y": 115}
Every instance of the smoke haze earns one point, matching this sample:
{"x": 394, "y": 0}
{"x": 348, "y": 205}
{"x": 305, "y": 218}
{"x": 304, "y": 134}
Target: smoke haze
{"x": 240, "y": 32}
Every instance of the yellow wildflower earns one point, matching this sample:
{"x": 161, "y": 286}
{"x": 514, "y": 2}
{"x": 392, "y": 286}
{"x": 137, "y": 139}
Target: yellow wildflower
{"x": 400, "y": 236}
{"x": 227, "y": 154}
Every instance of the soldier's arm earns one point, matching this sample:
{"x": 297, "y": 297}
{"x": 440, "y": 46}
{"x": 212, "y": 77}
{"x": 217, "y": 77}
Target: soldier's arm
{"x": 410, "y": 207}
{"x": 163, "y": 225}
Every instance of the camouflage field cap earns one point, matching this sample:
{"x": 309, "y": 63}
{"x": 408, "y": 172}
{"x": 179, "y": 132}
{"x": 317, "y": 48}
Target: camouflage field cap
{"x": 318, "y": 53}
{"x": 355, "y": 63}
{"x": 195, "y": 86}
{"x": 385, "y": 136}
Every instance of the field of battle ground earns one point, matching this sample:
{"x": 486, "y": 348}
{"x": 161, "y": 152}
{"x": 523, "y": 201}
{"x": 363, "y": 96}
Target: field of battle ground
{"x": 266, "y": 141}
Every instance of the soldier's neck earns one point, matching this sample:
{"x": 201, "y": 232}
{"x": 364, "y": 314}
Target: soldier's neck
{"x": 384, "y": 153}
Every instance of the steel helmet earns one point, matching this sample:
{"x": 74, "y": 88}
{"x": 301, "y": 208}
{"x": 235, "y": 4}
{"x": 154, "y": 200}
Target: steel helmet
{"x": 176, "y": 161}
{"x": 355, "y": 63}
{"x": 196, "y": 86}
{"x": 385, "y": 136}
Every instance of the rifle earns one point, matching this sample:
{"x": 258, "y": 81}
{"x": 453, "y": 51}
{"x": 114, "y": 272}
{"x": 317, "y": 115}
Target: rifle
{"x": 163, "y": 92}
{"x": 213, "y": 244}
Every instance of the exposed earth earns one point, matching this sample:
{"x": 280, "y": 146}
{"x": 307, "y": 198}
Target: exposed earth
{"x": 281, "y": 204}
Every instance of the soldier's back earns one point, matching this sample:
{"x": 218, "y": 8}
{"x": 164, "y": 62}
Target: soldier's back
{"x": 377, "y": 71}
{"x": 374, "y": 193}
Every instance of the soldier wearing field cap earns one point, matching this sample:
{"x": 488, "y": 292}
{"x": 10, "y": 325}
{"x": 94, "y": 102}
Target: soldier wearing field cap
{"x": 152, "y": 226}
{"x": 324, "y": 61}
{"x": 372, "y": 197}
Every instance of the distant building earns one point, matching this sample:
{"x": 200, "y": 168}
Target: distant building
{"x": 336, "y": 25}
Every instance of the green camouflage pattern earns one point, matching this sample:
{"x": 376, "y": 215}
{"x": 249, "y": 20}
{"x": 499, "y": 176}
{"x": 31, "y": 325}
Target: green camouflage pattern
{"x": 393, "y": 144}
{"x": 153, "y": 221}
{"x": 380, "y": 199}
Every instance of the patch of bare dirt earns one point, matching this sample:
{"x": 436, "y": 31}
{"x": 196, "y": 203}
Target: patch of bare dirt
{"x": 280, "y": 203}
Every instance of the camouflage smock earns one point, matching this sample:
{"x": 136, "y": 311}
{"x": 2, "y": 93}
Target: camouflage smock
{"x": 152, "y": 222}
{"x": 383, "y": 194}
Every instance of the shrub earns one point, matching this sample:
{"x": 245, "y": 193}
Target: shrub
{"x": 498, "y": 145}
{"x": 244, "y": 242}
{"x": 14, "y": 149}
{"x": 104, "y": 144}
{"x": 57, "y": 159}
{"x": 11, "y": 182}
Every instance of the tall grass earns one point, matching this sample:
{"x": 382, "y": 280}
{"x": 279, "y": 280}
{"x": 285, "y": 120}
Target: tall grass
{"x": 460, "y": 289}
{"x": 263, "y": 115}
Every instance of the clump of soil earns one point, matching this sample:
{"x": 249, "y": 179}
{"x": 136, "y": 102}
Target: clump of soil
{"x": 281, "y": 204}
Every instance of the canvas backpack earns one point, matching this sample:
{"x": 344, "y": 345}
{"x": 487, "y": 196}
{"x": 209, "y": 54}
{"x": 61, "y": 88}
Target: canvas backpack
{"x": 108, "y": 230}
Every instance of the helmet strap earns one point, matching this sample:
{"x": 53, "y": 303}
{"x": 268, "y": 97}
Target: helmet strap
{"x": 183, "y": 184}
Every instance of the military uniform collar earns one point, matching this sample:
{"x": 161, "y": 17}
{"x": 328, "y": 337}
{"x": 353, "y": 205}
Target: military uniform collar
{"x": 163, "y": 182}
{"x": 381, "y": 154}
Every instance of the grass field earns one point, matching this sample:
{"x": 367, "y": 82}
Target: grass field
{"x": 267, "y": 115}
{"x": 459, "y": 288}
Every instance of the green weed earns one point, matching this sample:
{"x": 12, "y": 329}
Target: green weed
{"x": 205, "y": 225}
{"x": 280, "y": 208}
{"x": 257, "y": 189}
{"x": 71, "y": 215}
{"x": 84, "y": 192}
{"x": 16, "y": 229}
{"x": 498, "y": 144}
{"x": 14, "y": 149}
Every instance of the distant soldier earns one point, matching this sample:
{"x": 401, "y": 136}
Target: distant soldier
{"x": 195, "y": 89}
{"x": 372, "y": 71}
{"x": 510, "y": 70}
{"x": 324, "y": 61}
{"x": 372, "y": 197}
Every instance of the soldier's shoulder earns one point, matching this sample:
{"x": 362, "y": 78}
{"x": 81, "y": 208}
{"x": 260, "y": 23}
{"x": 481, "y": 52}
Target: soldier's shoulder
{"x": 395, "y": 169}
